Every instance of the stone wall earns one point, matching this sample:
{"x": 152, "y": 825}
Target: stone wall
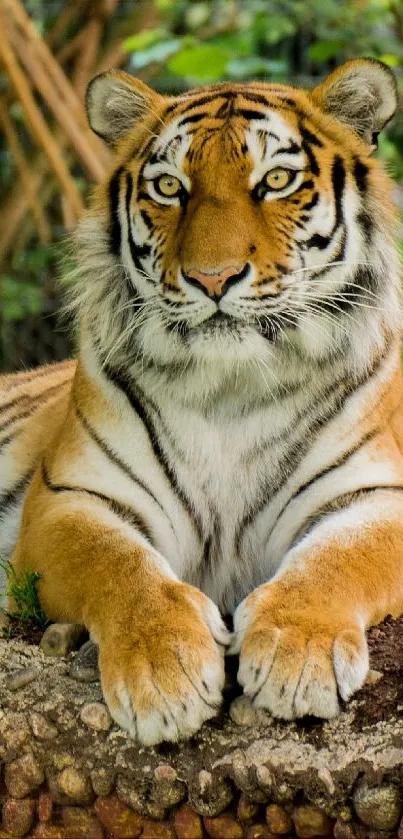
{"x": 68, "y": 772}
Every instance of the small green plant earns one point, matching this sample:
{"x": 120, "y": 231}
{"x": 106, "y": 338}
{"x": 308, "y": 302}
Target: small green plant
{"x": 22, "y": 589}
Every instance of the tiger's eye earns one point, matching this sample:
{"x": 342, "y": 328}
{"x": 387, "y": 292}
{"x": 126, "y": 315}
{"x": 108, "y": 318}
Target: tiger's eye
{"x": 278, "y": 178}
{"x": 168, "y": 185}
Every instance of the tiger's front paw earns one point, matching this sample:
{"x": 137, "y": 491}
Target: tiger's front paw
{"x": 162, "y": 674}
{"x": 297, "y": 661}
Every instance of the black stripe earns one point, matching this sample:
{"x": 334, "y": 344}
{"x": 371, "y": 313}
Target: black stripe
{"x": 138, "y": 252}
{"x": 193, "y": 118}
{"x": 309, "y": 137}
{"x": 342, "y": 502}
{"x": 16, "y": 380}
{"x": 360, "y": 172}
{"x": 336, "y": 396}
{"x": 293, "y": 148}
{"x": 341, "y": 461}
{"x": 366, "y": 225}
{"x": 13, "y": 496}
{"x": 126, "y": 513}
{"x": 338, "y": 184}
{"x": 248, "y": 113}
{"x": 112, "y": 456}
{"x": 312, "y": 203}
{"x": 137, "y": 401}
{"x": 115, "y": 233}
{"x": 31, "y": 398}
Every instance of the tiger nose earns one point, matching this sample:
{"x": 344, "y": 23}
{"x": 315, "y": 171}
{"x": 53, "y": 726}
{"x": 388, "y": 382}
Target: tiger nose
{"x": 216, "y": 283}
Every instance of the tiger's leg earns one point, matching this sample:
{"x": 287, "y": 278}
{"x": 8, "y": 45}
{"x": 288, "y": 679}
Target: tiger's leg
{"x": 301, "y": 637}
{"x": 161, "y": 641}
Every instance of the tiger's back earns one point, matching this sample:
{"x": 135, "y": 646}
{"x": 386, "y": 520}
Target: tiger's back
{"x": 32, "y": 408}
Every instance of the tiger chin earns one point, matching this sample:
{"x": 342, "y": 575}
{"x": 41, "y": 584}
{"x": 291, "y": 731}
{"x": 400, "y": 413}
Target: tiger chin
{"x": 230, "y": 438}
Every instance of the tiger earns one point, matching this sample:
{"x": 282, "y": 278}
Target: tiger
{"x": 219, "y": 470}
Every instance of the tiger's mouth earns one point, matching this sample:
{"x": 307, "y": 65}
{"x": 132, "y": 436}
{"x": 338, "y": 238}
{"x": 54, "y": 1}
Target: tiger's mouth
{"x": 223, "y": 325}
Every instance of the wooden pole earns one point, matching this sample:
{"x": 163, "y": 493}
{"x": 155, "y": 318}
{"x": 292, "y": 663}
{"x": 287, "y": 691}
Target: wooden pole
{"x": 25, "y": 173}
{"x": 38, "y": 125}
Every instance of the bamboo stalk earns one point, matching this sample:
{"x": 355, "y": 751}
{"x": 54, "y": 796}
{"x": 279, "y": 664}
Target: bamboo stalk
{"x": 25, "y": 171}
{"x": 38, "y": 125}
{"x": 87, "y": 56}
{"x": 69, "y": 14}
{"x": 15, "y": 208}
{"x": 60, "y": 109}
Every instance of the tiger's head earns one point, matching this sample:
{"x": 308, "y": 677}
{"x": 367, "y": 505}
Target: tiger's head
{"x": 239, "y": 219}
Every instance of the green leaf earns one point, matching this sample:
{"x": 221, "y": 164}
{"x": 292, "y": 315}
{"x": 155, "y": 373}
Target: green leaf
{"x": 206, "y": 62}
{"x": 324, "y": 50}
{"x": 143, "y": 40}
{"x": 157, "y": 53}
{"x": 243, "y": 68}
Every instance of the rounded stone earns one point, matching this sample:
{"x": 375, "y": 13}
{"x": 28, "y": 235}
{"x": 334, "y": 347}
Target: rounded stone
{"x": 96, "y": 715}
{"x": 378, "y": 807}
{"x": 41, "y": 728}
{"x": 74, "y": 786}
{"x": 188, "y": 824}
{"x": 18, "y": 816}
{"x": 59, "y": 639}
{"x": 118, "y": 819}
{"x": 45, "y": 807}
{"x": 23, "y": 776}
{"x": 103, "y": 781}
{"x": 246, "y": 810}
{"x": 84, "y": 667}
{"x": 21, "y": 678}
{"x": 81, "y": 824}
{"x": 223, "y": 827}
{"x": 156, "y": 830}
{"x": 278, "y": 821}
{"x": 209, "y": 796}
{"x": 311, "y": 822}
{"x": 259, "y": 831}
{"x": 242, "y": 712}
{"x": 167, "y": 789}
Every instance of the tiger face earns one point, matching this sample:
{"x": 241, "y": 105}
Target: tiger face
{"x": 245, "y": 217}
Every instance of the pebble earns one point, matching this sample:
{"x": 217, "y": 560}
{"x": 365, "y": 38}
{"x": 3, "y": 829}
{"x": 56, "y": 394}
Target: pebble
{"x": 74, "y": 786}
{"x": 373, "y": 677}
{"x": 96, "y": 715}
{"x": 278, "y": 821}
{"x": 188, "y": 824}
{"x": 156, "y": 830}
{"x": 45, "y": 807}
{"x": 18, "y": 816}
{"x": 84, "y": 667}
{"x": 259, "y": 831}
{"x": 310, "y": 822}
{"x": 264, "y": 779}
{"x": 21, "y": 678}
{"x": 41, "y": 728}
{"x": 103, "y": 781}
{"x": 167, "y": 789}
{"x": 242, "y": 712}
{"x": 209, "y": 796}
{"x": 378, "y": 807}
{"x": 118, "y": 819}
{"x": 59, "y": 639}
{"x": 246, "y": 810}
{"x": 23, "y": 776}
{"x": 81, "y": 824}
{"x": 223, "y": 827}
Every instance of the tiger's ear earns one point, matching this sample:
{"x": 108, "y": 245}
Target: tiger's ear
{"x": 115, "y": 100}
{"x": 362, "y": 94}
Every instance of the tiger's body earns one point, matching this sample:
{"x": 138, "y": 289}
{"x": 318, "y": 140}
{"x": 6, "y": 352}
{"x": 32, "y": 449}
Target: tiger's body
{"x": 231, "y": 437}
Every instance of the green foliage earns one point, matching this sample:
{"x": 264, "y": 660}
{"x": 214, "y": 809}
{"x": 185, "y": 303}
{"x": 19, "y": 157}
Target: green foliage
{"x": 22, "y": 589}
